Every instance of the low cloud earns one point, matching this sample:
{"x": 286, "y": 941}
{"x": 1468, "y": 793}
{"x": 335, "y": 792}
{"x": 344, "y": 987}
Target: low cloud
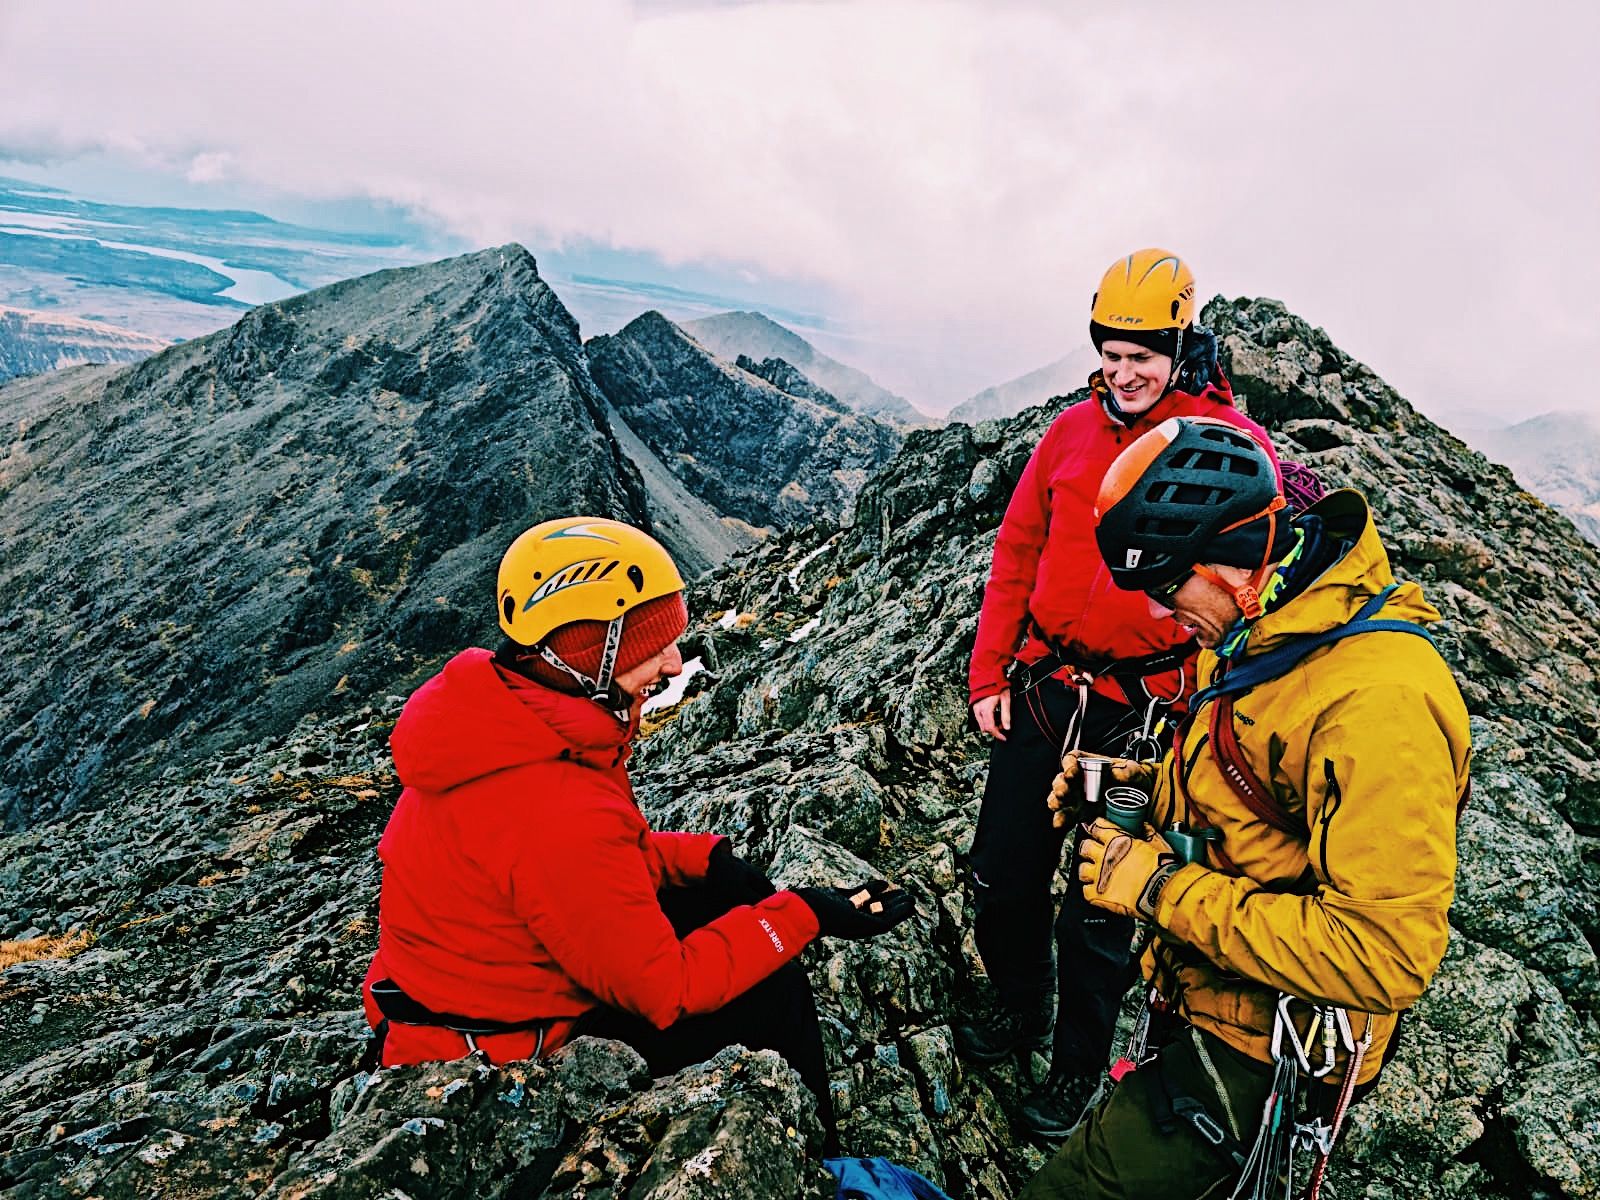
{"x": 1417, "y": 179}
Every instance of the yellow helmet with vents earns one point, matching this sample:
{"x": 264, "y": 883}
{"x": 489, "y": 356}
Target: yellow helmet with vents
{"x": 579, "y": 569}
{"x": 1147, "y": 290}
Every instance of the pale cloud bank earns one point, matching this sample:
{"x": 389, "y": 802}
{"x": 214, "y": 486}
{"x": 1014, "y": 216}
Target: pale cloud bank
{"x": 1418, "y": 179}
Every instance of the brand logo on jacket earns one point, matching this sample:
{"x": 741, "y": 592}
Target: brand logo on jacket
{"x": 777, "y": 942}
{"x": 1133, "y": 557}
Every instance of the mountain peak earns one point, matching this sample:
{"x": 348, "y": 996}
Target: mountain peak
{"x": 287, "y": 511}
{"x": 757, "y": 337}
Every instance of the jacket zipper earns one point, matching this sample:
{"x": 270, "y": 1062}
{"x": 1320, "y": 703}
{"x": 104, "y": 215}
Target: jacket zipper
{"x": 1330, "y": 806}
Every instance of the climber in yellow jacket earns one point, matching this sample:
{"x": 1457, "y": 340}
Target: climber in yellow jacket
{"x": 1298, "y": 889}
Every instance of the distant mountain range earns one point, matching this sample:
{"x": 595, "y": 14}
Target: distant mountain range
{"x": 1008, "y": 399}
{"x": 31, "y": 342}
{"x": 1556, "y": 457}
{"x": 757, "y": 337}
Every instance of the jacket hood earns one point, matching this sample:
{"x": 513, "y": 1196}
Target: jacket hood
{"x": 467, "y": 722}
{"x": 1349, "y": 582}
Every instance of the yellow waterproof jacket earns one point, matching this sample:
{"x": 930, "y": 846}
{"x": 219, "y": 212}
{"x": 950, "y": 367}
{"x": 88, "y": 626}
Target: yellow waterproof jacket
{"x": 1365, "y": 746}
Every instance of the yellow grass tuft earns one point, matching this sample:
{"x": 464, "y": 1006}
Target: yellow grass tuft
{"x": 744, "y": 620}
{"x": 31, "y": 949}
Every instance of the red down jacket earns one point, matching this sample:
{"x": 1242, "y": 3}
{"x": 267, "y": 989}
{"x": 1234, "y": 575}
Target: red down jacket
{"x": 520, "y": 878}
{"x": 1047, "y": 569}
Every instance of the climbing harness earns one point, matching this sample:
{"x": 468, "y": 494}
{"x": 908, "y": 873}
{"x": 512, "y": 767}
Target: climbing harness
{"x": 401, "y": 1009}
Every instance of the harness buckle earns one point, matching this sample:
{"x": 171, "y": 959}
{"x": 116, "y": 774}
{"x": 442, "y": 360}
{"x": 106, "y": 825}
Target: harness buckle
{"x": 1203, "y": 1121}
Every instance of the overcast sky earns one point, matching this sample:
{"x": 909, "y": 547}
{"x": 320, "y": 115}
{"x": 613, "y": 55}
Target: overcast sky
{"x": 1421, "y": 180}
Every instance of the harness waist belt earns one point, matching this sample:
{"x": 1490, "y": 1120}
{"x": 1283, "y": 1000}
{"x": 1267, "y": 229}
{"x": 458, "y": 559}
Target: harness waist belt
{"x": 396, "y": 1006}
{"x": 1159, "y": 662}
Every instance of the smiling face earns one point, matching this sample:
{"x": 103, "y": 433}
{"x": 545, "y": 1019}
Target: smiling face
{"x": 1136, "y": 375}
{"x": 639, "y": 682}
{"x": 1203, "y": 608}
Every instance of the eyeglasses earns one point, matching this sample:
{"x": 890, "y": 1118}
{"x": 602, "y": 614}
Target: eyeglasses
{"x": 1167, "y": 594}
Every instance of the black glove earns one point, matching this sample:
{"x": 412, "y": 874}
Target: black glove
{"x": 734, "y": 879}
{"x": 858, "y": 912}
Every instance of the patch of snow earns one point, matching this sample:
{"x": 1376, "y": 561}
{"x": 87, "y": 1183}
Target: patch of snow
{"x": 701, "y": 1163}
{"x": 794, "y": 571}
{"x": 726, "y": 621}
{"x": 805, "y": 631}
{"x": 674, "y": 690}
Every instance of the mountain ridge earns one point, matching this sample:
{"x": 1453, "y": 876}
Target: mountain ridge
{"x": 748, "y": 448}
{"x": 1059, "y": 378}
{"x": 758, "y": 337}
{"x": 303, "y": 485}
{"x": 31, "y": 342}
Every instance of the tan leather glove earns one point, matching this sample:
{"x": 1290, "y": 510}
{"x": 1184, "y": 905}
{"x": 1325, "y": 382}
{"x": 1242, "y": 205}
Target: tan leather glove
{"x": 1123, "y": 873}
{"x": 1065, "y": 800}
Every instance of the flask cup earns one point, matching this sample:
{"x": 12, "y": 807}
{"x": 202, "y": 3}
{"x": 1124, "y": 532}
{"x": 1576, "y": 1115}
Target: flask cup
{"x": 1128, "y": 808}
{"x": 1096, "y": 771}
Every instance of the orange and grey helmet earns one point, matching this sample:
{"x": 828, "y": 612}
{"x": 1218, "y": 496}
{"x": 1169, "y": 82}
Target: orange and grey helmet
{"x": 580, "y": 569}
{"x": 1192, "y": 490}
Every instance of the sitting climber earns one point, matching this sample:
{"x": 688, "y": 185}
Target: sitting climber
{"x": 525, "y": 898}
{"x": 1296, "y": 892}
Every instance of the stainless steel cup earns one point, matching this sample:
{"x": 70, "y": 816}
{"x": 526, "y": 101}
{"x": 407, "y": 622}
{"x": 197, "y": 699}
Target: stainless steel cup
{"x": 1096, "y": 771}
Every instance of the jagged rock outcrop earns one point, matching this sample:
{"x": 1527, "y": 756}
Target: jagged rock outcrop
{"x": 31, "y": 342}
{"x": 756, "y": 336}
{"x": 1057, "y": 379}
{"x": 744, "y": 446}
{"x": 787, "y": 378}
{"x": 281, "y": 517}
{"x": 210, "y": 1031}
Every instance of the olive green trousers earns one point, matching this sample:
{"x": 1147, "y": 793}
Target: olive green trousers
{"x": 1131, "y": 1147}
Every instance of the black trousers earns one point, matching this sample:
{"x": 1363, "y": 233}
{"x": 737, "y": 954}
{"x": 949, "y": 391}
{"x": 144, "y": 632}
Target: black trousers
{"x": 1014, "y": 859}
{"x": 776, "y": 1014}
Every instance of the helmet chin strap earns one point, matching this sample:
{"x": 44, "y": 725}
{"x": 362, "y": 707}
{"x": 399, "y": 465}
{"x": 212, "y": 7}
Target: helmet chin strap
{"x": 601, "y": 688}
{"x": 1177, "y": 367}
{"x": 1248, "y": 595}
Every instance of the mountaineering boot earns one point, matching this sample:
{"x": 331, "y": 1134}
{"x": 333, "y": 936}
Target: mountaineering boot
{"x": 1009, "y": 1029}
{"x": 1054, "y": 1109}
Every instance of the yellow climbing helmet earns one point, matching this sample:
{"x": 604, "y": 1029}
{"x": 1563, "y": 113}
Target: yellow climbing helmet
{"x": 1148, "y": 290}
{"x": 579, "y": 569}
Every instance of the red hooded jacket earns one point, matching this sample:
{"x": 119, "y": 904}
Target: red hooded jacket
{"x": 520, "y": 878}
{"x": 1047, "y": 570}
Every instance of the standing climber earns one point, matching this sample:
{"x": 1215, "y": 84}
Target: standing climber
{"x": 525, "y": 898}
{"x": 1065, "y": 660}
{"x": 1298, "y": 889}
